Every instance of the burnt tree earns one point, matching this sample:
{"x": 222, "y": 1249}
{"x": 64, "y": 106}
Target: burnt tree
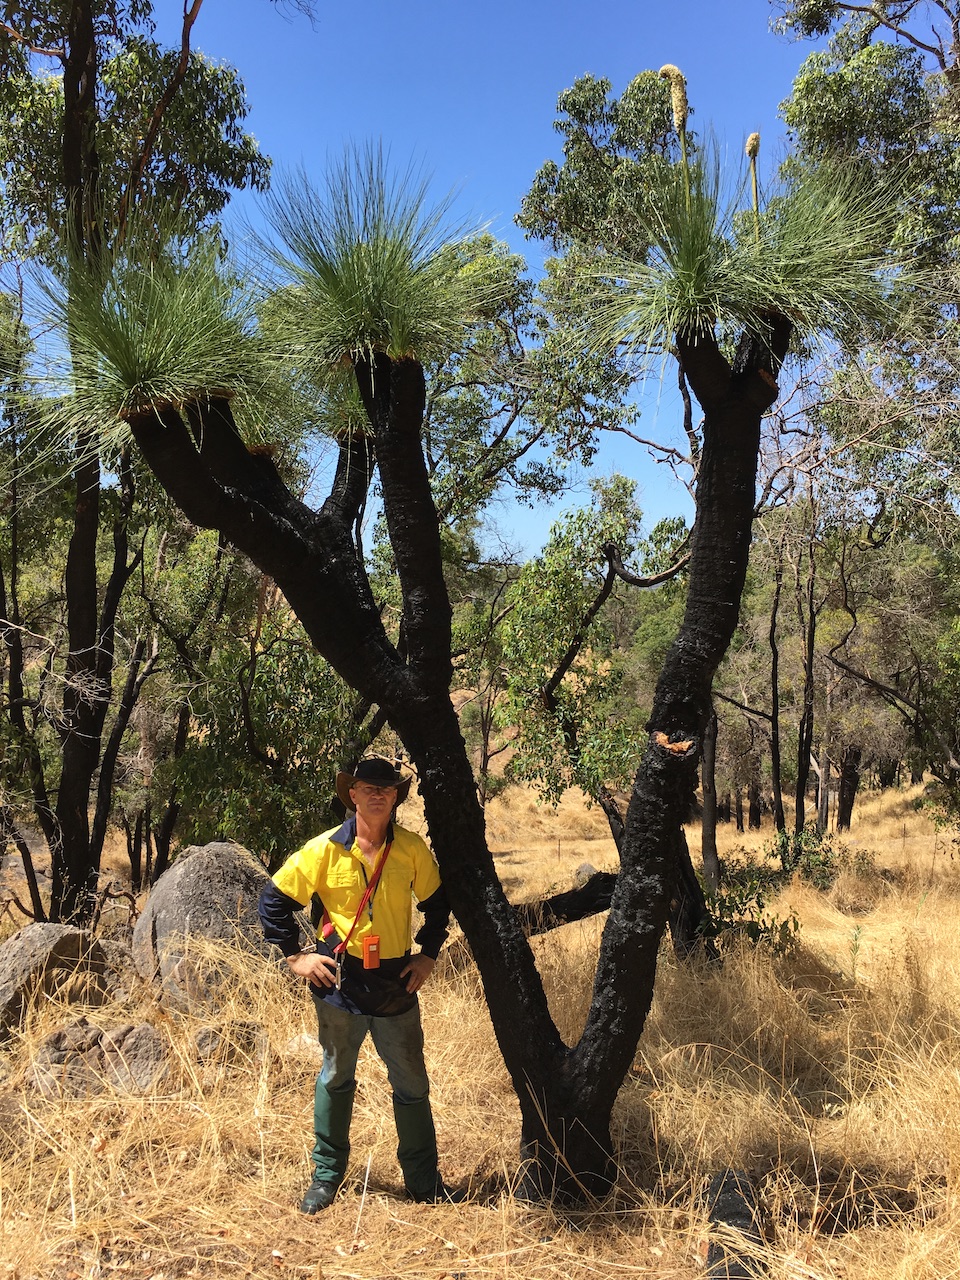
{"x": 566, "y": 1092}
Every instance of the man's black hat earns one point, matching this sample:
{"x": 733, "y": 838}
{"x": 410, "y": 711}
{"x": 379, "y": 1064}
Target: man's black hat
{"x": 379, "y": 772}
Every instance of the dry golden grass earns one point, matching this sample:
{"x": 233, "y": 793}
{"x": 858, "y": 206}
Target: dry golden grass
{"x": 831, "y": 1074}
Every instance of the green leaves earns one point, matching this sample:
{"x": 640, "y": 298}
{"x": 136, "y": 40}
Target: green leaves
{"x": 817, "y": 257}
{"x": 370, "y": 266}
{"x": 612, "y": 149}
{"x": 201, "y": 152}
{"x": 272, "y": 722}
{"x": 156, "y": 324}
{"x": 581, "y": 739}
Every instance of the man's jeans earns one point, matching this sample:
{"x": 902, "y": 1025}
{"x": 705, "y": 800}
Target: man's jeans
{"x": 399, "y": 1043}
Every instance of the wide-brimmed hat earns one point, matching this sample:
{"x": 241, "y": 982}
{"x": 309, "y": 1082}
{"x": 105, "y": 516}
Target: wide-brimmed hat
{"x": 379, "y": 772}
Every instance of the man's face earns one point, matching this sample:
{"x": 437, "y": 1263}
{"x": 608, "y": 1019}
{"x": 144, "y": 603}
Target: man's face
{"x": 373, "y": 801}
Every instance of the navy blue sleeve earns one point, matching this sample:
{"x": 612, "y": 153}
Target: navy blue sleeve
{"x": 432, "y": 934}
{"x": 277, "y": 918}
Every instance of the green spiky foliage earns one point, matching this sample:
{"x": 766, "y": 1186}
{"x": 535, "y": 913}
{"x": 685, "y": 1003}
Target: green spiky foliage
{"x": 156, "y": 332}
{"x": 371, "y": 265}
{"x": 160, "y": 321}
{"x": 817, "y": 255}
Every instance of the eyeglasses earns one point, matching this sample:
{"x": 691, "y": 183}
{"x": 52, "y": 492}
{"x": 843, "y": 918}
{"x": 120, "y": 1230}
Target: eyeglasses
{"x": 372, "y": 789}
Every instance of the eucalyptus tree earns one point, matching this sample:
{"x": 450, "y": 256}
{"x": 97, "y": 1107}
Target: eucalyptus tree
{"x": 565, "y": 686}
{"x": 368, "y": 287}
{"x": 95, "y": 116}
{"x": 882, "y": 97}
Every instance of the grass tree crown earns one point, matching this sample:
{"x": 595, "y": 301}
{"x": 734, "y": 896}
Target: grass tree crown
{"x": 156, "y": 322}
{"x": 372, "y": 264}
{"x": 817, "y": 255}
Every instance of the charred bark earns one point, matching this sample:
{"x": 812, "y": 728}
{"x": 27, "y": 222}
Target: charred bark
{"x": 849, "y": 786}
{"x": 587, "y": 899}
{"x": 776, "y": 771}
{"x": 823, "y": 792}
{"x": 688, "y": 911}
{"x": 87, "y": 690}
{"x": 708, "y": 776}
{"x": 566, "y": 1094}
{"x": 754, "y": 802}
{"x": 162, "y": 834}
{"x": 807, "y": 610}
{"x": 689, "y": 914}
{"x": 73, "y": 879}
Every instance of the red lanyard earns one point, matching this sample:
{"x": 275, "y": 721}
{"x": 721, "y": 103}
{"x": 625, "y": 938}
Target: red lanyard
{"x": 370, "y": 890}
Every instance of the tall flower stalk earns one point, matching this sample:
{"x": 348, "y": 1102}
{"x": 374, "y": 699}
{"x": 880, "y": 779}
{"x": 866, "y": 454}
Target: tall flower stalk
{"x": 753, "y": 150}
{"x": 681, "y": 109}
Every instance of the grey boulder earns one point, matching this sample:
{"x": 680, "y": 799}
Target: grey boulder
{"x": 49, "y": 959}
{"x": 81, "y": 1060}
{"x": 208, "y": 897}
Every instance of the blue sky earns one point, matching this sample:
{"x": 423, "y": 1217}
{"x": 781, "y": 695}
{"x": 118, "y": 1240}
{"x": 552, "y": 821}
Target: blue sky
{"x": 471, "y": 92}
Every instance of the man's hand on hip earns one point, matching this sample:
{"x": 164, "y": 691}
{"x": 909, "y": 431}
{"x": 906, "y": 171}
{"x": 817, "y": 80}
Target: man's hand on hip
{"x": 417, "y": 971}
{"x": 320, "y": 970}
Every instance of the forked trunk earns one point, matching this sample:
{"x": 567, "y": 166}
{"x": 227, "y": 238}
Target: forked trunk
{"x": 566, "y": 1093}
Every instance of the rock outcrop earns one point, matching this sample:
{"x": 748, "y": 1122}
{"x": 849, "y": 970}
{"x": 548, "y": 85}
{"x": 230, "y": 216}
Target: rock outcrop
{"x": 49, "y": 959}
{"x": 205, "y": 902}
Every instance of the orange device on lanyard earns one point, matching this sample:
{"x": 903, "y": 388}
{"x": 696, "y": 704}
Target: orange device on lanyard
{"x": 371, "y": 951}
{"x": 371, "y": 944}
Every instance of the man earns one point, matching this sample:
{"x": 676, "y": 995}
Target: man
{"x": 362, "y": 976}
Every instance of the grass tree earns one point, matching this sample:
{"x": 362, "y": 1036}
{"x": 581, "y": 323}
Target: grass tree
{"x": 368, "y": 286}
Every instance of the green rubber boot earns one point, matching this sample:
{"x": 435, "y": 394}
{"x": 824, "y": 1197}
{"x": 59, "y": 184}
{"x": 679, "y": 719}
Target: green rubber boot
{"x": 332, "y": 1113}
{"x": 417, "y": 1148}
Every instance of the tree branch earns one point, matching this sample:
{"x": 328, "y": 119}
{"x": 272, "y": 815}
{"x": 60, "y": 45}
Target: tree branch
{"x": 548, "y": 691}
{"x": 879, "y": 16}
{"x": 742, "y": 706}
{"x": 153, "y": 128}
{"x": 60, "y": 53}
{"x": 309, "y": 555}
{"x": 394, "y": 395}
{"x": 613, "y": 556}
{"x": 588, "y": 899}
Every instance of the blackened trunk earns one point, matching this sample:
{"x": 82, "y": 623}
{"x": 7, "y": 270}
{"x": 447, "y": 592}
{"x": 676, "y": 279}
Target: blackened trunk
{"x": 566, "y": 1094}
{"x": 708, "y": 774}
{"x": 148, "y": 869}
{"x": 754, "y": 806}
{"x": 79, "y": 156}
{"x": 163, "y": 835}
{"x": 614, "y": 815}
{"x": 74, "y": 882}
{"x": 74, "y": 879}
{"x": 88, "y": 687}
{"x": 137, "y": 674}
{"x": 689, "y": 913}
{"x": 849, "y": 785}
{"x": 808, "y": 617}
{"x": 823, "y": 792}
{"x": 134, "y": 836}
{"x": 888, "y": 771}
{"x": 776, "y": 771}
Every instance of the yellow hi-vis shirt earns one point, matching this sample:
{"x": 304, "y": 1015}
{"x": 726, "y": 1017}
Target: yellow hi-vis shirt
{"x": 332, "y": 866}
